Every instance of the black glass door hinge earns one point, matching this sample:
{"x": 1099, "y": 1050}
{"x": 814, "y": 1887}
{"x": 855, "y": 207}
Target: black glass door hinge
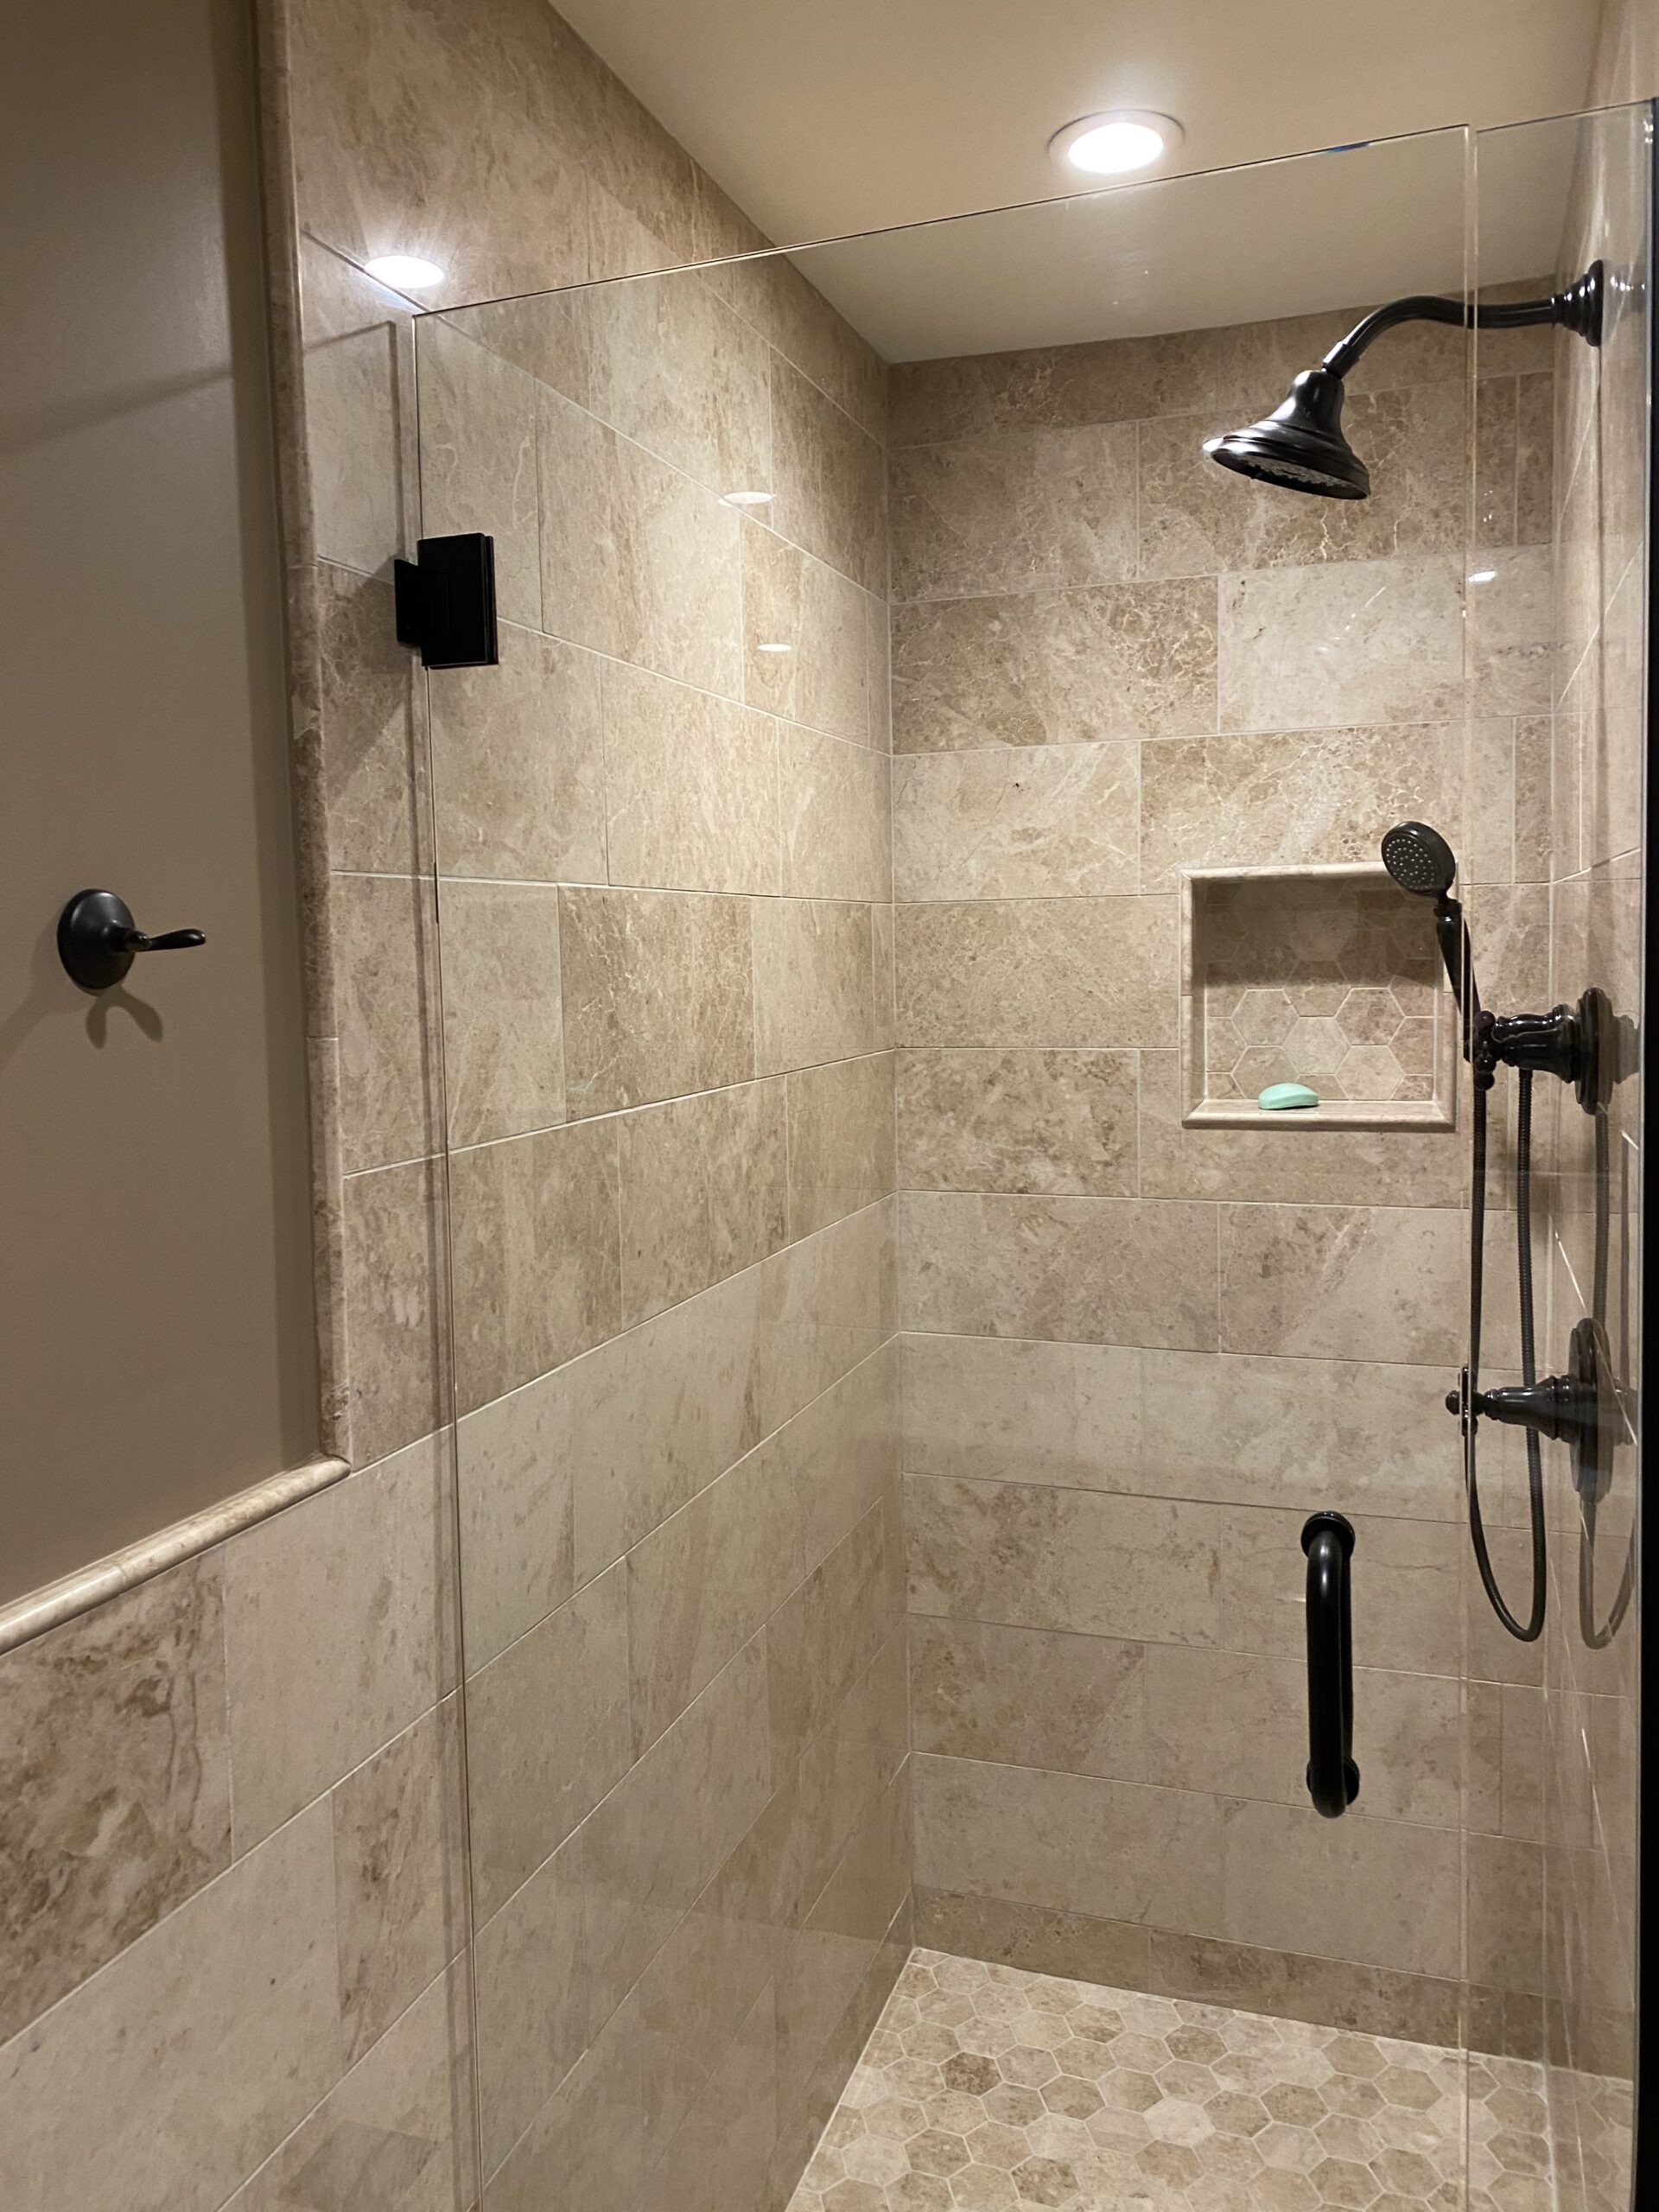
{"x": 445, "y": 601}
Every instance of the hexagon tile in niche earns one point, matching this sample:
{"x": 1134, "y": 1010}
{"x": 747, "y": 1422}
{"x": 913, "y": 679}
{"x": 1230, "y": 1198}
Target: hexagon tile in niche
{"x": 985, "y": 2088}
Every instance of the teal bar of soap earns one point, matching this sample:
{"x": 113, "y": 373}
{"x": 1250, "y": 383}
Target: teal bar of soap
{"x": 1278, "y": 1097}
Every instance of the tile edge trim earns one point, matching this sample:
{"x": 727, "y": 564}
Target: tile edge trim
{"x": 37, "y": 1610}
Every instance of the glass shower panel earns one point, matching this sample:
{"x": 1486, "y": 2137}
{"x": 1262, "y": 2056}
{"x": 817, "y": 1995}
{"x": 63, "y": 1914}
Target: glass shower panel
{"x": 920, "y": 803}
{"x": 1569, "y": 691}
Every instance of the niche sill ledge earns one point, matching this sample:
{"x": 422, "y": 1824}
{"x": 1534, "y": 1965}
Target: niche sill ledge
{"x": 1334, "y": 1113}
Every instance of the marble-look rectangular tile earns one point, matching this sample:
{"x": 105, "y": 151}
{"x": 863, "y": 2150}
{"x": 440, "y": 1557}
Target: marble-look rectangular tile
{"x": 1034, "y": 1556}
{"x": 1112, "y": 1850}
{"x": 537, "y": 1262}
{"x": 843, "y": 1453}
{"x": 1343, "y": 1282}
{"x": 1219, "y": 1720}
{"x": 1406, "y": 1616}
{"x": 806, "y": 647}
{"x": 400, "y": 1875}
{"x": 115, "y": 1781}
{"x": 310, "y": 1695}
{"x": 1289, "y": 1985}
{"x": 503, "y": 1020}
{"x": 1054, "y": 1123}
{"x": 517, "y": 763}
{"x": 1505, "y": 1906}
{"x": 1197, "y": 520}
{"x": 1094, "y": 974}
{"x": 717, "y": 2160}
{"x": 1012, "y": 510}
{"x": 396, "y": 2135}
{"x": 704, "y": 1192}
{"x": 1377, "y": 1891}
{"x": 547, "y": 1736}
{"x": 659, "y": 996}
{"x": 393, "y": 1239}
{"x": 587, "y": 2139}
{"x": 1069, "y": 667}
{"x": 1036, "y": 1939}
{"x": 1368, "y": 1439}
{"x": 814, "y": 983}
{"x": 650, "y": 1849}
{"x": 637, "y": 559}
{"x": 672, "y": 367}
{"x": 1512, "y": 641}
{"x": 374, "y": 766}
{"x": 704, "y": 1581}
{"x": 828, "y": 479}
{"x": 1284, "y": 799}
{"x": 534, "y": 2017}
{"x": 837, "y": 816}
{"x": 1048, "y": 821}
{"x": 1029, "y": 1697}
{"x": 87, "y": 2115}
{"x": 691, "y": 787}
{"x": 787, "y": 308}
{"x": 1341, "y": 1167}
{"x": 840, "y": 1139}
{"x": 1350, "y": 642}
{"x": 478, "y": 458}
{"x": 383, "y": 930}
{"x": 359, "y": 428}
{"x": 821, "y": 1641}
{"x": 1091, "y": 1270}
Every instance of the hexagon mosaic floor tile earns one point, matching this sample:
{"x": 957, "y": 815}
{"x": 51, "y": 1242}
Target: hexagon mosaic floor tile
{"x": 988, "y": 2089}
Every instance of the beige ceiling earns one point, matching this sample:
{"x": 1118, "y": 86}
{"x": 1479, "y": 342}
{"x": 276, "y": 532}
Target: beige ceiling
{"x": 825, "y": 118}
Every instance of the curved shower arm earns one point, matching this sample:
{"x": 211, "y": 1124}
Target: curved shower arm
{"x": 1577, "y": 309}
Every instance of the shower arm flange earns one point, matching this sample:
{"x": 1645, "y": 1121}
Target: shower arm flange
{"x": 1577, "y": 309}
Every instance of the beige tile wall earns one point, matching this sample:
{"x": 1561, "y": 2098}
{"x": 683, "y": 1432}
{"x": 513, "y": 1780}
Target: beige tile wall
{"x": 235, "y": 1953}
{"x": 1136, "y": 1355}
{"x": 670, "y": 1200}
{"x": 1590, "y": 1713}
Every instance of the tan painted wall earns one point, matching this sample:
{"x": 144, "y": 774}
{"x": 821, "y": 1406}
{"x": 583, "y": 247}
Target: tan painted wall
{"x": 156, "y": 1266}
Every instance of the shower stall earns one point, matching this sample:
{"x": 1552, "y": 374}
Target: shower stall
{"x": 901, "y": 806}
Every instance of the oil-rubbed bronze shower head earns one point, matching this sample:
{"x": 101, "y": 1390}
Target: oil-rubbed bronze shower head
{"x": 1300, "y": 446}
{"x": 1418, "y": 858}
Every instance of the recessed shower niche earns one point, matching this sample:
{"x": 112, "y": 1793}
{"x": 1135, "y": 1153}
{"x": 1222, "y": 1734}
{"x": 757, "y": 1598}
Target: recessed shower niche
{"x": 1325, "y": 975}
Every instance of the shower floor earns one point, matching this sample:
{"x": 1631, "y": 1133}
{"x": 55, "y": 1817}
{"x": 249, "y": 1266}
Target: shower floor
{"x": 988, "y": 2089}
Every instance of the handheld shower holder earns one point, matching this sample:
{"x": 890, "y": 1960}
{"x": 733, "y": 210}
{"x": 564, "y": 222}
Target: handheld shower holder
{"x": 1569, "y": 1042}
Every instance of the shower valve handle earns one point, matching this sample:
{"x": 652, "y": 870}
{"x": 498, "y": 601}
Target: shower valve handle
{"x": 98, "y": 940}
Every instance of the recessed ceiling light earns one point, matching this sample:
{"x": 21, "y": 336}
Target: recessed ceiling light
{"x": 748, "y": 499}
{"x": 1113, "y": 143}
{"x": 405, "y": 272}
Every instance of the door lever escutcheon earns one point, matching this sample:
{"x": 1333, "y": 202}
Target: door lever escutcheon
{"x": 98, "y": 941}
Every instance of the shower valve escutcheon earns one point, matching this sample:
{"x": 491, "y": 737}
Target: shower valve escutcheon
{"x": 1573, "y": 1409}
{"x": 98, "y": 940}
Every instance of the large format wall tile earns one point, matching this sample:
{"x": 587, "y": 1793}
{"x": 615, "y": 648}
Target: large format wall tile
{"x": 1115, "y": 1270}
{"x": 1095, "y": 973}
{"x": 637, "y": 561}
{"x": 1285, "y": 799}
{"x": 691, "y": 785}
{"x": 1039, "y": 1557}
{"x": 1378, "y": 1891}
{"x": 115, "y": 1782}
{"x": 659, "y": 996}
{"x": 1055, "y": 667}
{"x": 1343, "y": 1282}
{"x": 704, "y": 1192}
{"x": 517, "y": 763}
{"x": 158, "y": 2086}
{"x": 1363, "y": 1438}
{"x": 806, "y": 639}
{"x": 503, "y": 1034}
{"x": 1018, "y": 1122}
{"x": 1114, "y": 1850}
{"x": 815, "y": 979}
{"x": 478, "y": 458}
{"x": 310, "y": 1696}
{"x": 836, "y": 818}
{"x": 538, "y": 1261}
{"x": 1054, "y": 821}
{"x": 1013, "y": 512}
{"x": 383, "y": 930}
{"x": 840, "y": 1139}
{"x": 1350, "y": 642}
{"x": 827, "y": 473}
{"x": 1031, "y": 1697}
{"x": 670, "y": 365}
{"x": 374, "y": 764}
{"x": 392, "y": 1271}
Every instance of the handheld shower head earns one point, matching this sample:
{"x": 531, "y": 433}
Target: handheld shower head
{"x": 1418, "y": 858}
